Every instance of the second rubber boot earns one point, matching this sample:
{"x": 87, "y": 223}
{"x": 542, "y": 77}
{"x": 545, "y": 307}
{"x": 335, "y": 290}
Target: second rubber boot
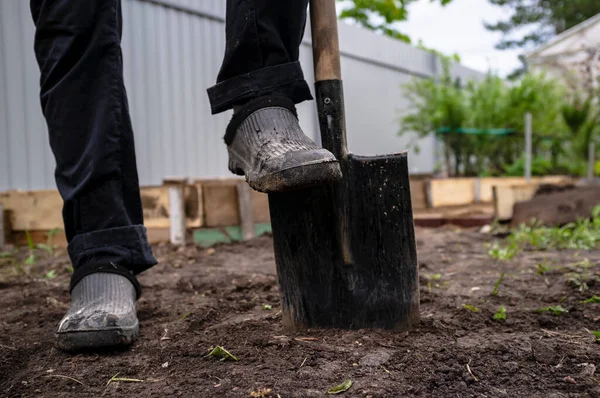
{"x": 266, "y": 145}
{"x": 102, "y": 314}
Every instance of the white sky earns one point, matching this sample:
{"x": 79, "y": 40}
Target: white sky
{"x": 458, "y": 28}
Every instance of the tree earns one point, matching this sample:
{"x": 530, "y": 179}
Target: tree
{"x": 380, "y": 15}
{"x": 546, "y": 18}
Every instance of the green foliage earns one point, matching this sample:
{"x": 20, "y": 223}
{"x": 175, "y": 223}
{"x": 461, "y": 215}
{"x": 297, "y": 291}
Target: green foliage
{"x": 430, "y": 279}
{"x": 583, "y": 234}
{"x": 582, "y": 117}
{"x": 345, "y": 386}
{"x": 554, "y": 310}
{"x": 48, "y": 246}
{"x": 31, "y": 258}
{"x": 222, "y": 354}
{"x": 543, "y": 268}
{"x": 539, "y": 167}
{"x": 380, "y": 15}
{"x": 51, "y": 274}
{"x": 490, "y": 103}
{"x": 593, "y": 299}
{"x": 503, "y": 253}
{"x": 595, "y": 334}
{"x": 541, "y": 19}
{"x": 470, "y": 308}
{"x": 500, "y": 315}
{"x": 497, "y": 285}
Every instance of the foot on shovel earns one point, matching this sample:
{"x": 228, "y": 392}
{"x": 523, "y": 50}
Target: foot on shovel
{"x": 266, "y": 145}
{"x": 102, "y": 314}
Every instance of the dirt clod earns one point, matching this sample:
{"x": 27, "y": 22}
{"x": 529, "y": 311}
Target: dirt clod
{"x": 544, "y": 352}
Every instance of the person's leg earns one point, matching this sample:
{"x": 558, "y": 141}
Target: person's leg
{"x": 83, "y": 99}
{"x": 262, "y": 80}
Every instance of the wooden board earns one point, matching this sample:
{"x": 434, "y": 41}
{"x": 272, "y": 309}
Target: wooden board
{"x": 155, "y": 201}
{"x": 221, "y": 206}
{"x": 42, "y": 210}
{"x": 486, "y": 186}
{"x": 451, "y": 192}
{"x": 418, "y": 193}
{"x": 34, "y": 210}
{"x": 19, "y": 238}
{"x": 505, "y": 198}
{"x": 461, "y": 191}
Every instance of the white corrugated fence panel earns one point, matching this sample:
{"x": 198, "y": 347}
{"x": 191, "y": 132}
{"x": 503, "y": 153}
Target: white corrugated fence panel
{"x": 172, "y": 53}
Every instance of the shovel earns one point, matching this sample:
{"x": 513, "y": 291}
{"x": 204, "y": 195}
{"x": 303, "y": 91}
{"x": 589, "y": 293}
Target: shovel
{"x": 345, "y": 253}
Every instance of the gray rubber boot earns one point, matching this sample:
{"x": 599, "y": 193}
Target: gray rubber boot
{"x": 268, "y": 147}
{"x": 102, "y": 314}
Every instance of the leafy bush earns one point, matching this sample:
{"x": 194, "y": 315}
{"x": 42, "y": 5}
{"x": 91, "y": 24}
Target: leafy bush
{"x": 562, "y": 124}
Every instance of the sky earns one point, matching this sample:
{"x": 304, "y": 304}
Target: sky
{"x": 458, "y": 28}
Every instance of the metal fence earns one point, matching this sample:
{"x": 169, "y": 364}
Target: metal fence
{"x": 172, "y": 53}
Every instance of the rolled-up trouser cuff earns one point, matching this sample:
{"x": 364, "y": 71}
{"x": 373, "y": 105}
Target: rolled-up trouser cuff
{"x": 283, "y": 80}
{"x": 125, "y": 246}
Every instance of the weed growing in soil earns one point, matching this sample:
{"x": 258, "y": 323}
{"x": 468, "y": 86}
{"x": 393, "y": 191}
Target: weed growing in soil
{"x": 221, "y": 353}
{"x": 31, "y": 259}
{"x": 498, "y": 252}
{"x": 471, "y": 308}
{"x": 48, "y": 246}
{"x": 430, "y": 279}
{"x": 583, "y": 234}
{"x": 500, "y": 315}
{"x": 555, "y": 310}
{"x": 497, "y": 285}
{"x": 596, "y": 334}
{"x": 593, "y": 299}
{"x": 543, "y": 268}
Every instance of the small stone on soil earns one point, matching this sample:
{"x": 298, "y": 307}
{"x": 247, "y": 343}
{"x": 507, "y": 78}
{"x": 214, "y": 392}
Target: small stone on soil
{"x": 588, "y": 370}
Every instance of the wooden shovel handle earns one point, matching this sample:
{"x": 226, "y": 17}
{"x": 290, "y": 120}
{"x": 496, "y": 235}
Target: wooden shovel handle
{"x": 325, "y": 42}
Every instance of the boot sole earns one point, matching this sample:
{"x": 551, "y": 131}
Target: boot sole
{"x": 97, "y": 339}
{"x": 296, "y": 178}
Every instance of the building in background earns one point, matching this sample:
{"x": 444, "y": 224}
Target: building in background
{"x": 572, "y": 56}
{"x": 172, "y": 52}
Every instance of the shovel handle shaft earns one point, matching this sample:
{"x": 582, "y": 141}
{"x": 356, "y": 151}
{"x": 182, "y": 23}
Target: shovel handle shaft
{"x": 325, "y": 42}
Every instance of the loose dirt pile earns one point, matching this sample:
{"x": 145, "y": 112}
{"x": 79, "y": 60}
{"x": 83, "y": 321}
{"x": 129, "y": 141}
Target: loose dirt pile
{"x": 198, "y": 299}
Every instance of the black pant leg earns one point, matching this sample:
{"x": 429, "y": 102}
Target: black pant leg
{"x": 263, "y": 40}
{"x": 83, "y": 99}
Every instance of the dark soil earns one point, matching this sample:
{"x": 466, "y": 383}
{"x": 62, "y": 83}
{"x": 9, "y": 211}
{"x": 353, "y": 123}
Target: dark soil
{"x": 197, "y": 299}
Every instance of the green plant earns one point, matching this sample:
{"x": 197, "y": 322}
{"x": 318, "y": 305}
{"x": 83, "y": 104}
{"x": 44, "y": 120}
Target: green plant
{"x": 500, "y": 315}
{"x": 497, "y": 285}
{"x": 583, "y": 234}
{"x": 593, "y": 299}
{"x": 471, "y": 308}
{"x": 554, "y": 310}
{"x": 481, "y": 122}
{"x": 543, "y": 268}
{"x": 503, "y": 253}
{"x": 430, "y": 279}
{"x": 48, "y": 246}
{"x": 31, "y": 258}
{"x": 595, "y": 334}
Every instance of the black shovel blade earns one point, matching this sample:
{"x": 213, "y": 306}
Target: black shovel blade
{"x": 345, "y": 253}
